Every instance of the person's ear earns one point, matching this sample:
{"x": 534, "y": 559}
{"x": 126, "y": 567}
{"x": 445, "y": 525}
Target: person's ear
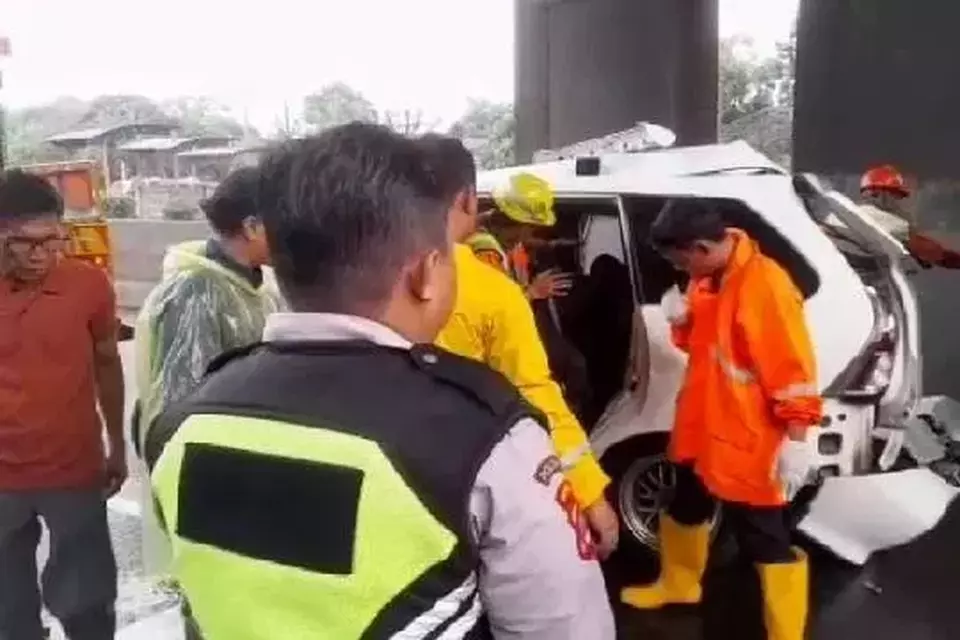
{"x": 460, "y": 202}
{"x": 425, "y": 276}
{"x": 252, "y": 227}
{"x": 701, "y": 247}
{"x": 472, "y": 203}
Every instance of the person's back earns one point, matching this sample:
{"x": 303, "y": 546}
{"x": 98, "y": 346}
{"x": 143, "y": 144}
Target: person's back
{"x": 346, "y": 479}
{"x": 492, "y": 322}
{"x": 204, "y": 306}
{"x": 210, "y": 300}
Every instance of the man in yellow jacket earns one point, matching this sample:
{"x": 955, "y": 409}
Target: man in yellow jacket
{"x": 492, "y": 322}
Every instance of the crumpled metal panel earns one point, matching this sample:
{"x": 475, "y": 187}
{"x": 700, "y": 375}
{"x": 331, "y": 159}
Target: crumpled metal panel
{"x": 855, "y": 516}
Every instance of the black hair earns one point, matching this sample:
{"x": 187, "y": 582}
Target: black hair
{"x": 344, "y": 210}
{"x": 452, "y": 164}
{"x": 233, "y": 201}
{"x": 25, "y": 196}
{"x": 683, "y": 222}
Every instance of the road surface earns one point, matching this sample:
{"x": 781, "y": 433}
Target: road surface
{"x": 909, "y": 592}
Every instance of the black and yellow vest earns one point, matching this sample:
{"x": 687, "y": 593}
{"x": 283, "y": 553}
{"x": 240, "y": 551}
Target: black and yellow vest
{"x": 320, "y": 490}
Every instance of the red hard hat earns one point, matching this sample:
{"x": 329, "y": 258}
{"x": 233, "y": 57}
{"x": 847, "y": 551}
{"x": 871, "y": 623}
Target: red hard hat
{"x": 884, "y": 178}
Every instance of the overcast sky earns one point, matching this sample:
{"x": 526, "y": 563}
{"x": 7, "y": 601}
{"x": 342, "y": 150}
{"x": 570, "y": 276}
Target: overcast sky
{"x": 257, "y": 54}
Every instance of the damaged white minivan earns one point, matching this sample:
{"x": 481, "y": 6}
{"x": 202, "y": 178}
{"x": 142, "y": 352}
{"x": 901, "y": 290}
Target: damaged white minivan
{"x": 866, "y": 492}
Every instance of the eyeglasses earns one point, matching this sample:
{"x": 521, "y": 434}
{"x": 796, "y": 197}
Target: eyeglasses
{"x": 25, "y": 245}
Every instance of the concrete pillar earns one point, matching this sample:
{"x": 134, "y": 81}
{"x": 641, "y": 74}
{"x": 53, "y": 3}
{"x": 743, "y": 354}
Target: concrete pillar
{"x": 586, "y": 68}
{"x": 876, "y": 82}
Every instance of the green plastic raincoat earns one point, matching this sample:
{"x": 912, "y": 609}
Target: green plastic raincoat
{"x": 202, "y": 307}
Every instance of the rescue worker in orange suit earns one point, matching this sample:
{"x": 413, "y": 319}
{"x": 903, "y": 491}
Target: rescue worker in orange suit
{"x": 883, "y": 192}
{"x": 749, "y": 395}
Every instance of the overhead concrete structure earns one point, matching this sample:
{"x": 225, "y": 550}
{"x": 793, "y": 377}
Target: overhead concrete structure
{"x": 876, "y": 83}
{"x": 586, "y": 68}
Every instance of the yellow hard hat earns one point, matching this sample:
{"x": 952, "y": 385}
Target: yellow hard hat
{"x": 526, "y": 199}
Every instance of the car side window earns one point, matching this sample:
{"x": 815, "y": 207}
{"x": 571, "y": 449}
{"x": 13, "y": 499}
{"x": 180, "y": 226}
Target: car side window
{"x": 601, "y": 236}
{"x": 656, "y": 275}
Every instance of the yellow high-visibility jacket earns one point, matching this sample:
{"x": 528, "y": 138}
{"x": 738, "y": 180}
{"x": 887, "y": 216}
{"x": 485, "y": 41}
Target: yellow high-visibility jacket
{"x": 492, "y": 322}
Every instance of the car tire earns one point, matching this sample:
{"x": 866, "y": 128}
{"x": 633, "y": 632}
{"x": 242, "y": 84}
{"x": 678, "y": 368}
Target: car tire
{"x": 641, "y": 486}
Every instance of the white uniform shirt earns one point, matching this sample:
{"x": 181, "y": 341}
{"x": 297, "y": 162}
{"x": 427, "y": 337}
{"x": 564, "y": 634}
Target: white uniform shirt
{"x": 538, "y": 579}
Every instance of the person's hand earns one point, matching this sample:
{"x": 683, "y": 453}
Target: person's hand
{"x": 605, "y": 526}
{"x": 116, "y": 469}
{"x": 795, "y": 462}
{"x": 797, "y": 432}
{"x": 550, "y": 284}
{"x": 674, "y": 306}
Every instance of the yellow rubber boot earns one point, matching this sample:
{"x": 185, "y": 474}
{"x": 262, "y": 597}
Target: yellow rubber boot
{"x": 785, "y": 597}
{"x": 683, "y": 559}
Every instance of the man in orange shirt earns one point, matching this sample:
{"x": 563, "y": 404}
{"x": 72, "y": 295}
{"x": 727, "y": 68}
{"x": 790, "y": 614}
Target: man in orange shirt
{"x": 58, "y": 361}
{"x": 749, "y": 395}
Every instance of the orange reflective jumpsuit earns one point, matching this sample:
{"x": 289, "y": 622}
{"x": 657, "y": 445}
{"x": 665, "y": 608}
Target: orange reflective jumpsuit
{"x": 751, "y": 373}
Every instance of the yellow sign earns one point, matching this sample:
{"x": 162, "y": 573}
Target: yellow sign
{"x": 89, "y": 240}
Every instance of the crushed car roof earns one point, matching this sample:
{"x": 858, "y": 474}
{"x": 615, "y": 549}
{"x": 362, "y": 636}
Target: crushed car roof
{"x": 641, "y": 172}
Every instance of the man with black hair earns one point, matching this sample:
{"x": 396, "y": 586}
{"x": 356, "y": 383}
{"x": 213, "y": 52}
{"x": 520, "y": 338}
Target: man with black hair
{"x": 492, "y": 322}
{"x": 211, "y": 300}
{"x": 58, "y": 362}
{"x": 739, "y": 434}
{"x": 346, "y": 479}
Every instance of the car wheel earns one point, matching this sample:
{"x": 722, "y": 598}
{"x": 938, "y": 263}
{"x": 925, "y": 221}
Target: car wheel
{"x": 643, "y": 483}
{"x": 644, "y": 490}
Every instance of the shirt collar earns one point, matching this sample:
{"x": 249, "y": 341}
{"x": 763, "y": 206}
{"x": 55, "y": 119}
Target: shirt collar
{"x": 330, "y": 326}
{"x": 744, "y": 250}
{"x": 215, "y": 251}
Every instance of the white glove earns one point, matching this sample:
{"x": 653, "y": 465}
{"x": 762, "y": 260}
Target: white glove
{"x": 794, "y": 466}
{"x": 674, "y": 306}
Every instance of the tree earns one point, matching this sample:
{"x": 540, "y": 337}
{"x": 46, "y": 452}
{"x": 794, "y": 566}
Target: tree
{"x": 786, "y": 65}
{"x": 409, "y": 122}
{"x": 750, "y": 83}
{"x": 336, "y": 104}
{"x": 489, "y": 130}
{"x": 757, "y": 97}
{"x": 747, "y": 83}
{"x": 203, "y": 116}
{"x": 109, "y": 110}
{"x": 25, "y": 129}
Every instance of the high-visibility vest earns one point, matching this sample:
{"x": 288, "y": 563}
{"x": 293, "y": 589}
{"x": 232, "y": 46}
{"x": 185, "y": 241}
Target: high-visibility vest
{"x": 321, "y": 490}
{"x": 485, "y": 242}
{"x": 515, "y": 263}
